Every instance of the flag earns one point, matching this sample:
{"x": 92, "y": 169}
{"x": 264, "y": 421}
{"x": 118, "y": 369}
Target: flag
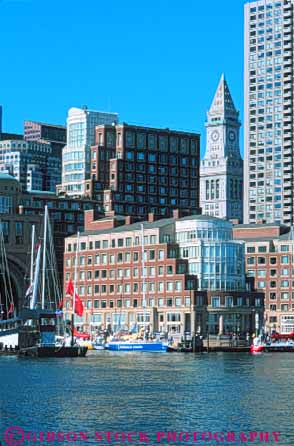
{"x": 70, "y": 288}
{"x": 60, "y": 305}
{"x": 79, "y": 307}
{"x": 11, "y": 309}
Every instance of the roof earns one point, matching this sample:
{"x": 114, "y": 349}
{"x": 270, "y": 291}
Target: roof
{"x": 257, "y": 225}
{"x": 6, "y": 176}
{"x": 132, "y": 227}
{"x": 222, "y": 102}
{"x": 148, "y": 225}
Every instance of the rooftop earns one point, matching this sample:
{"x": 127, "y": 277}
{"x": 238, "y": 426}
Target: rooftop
{"x": 147, "y": 225}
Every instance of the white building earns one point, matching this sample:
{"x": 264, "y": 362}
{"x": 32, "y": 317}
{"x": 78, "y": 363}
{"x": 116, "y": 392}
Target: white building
{"x": 221, "y": 172}
{"x": 81, "y": 125}
{"x": 268, "y": 113}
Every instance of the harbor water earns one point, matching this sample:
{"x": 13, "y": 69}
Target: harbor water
{"x": 150, "y": 393}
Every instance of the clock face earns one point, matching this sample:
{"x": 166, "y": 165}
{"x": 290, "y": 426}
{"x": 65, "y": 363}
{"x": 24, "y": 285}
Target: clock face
{"x": 215, "y": 135}
{"x": 232, "y": 135}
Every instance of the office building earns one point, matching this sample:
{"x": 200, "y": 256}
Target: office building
{"x": 76, "y": 156}
{"x": 269, "y": 262}
{"x": 268, "y": 114}
{"x": 221, "y": 172}
{"x": 190, "y": 278}
{"x": 137, "y": 170}
{"x": 32, "y": 163}
{"x": 39, "y": 131}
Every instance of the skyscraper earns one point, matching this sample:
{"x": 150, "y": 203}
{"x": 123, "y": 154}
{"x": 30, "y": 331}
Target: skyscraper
{"x": 268, "y": 119}
{"x": 81, "y": 125}
{"x": 221, "y": 173}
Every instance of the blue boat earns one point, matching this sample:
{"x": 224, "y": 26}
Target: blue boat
{"x": 126, "y": 346}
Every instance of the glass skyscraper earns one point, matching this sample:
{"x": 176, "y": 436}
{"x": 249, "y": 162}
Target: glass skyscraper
{"x": 268, "y": 118}
{"x": 81, "y": 125}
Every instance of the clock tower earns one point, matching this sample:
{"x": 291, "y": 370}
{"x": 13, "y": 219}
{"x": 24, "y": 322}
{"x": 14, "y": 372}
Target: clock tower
{"x": 221, "y": 172}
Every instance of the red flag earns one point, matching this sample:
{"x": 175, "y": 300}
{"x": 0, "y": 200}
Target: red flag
{"x": 79, "y": 307}
{"x": 70, "y": 288}
{"x": 11, "y": 309}
{"x": 60, "y": 305}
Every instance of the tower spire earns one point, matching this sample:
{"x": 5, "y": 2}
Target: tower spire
{"x": 223, "y": 104}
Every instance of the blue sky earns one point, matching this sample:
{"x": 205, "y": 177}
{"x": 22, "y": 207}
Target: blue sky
{"x": 155, "y": 62}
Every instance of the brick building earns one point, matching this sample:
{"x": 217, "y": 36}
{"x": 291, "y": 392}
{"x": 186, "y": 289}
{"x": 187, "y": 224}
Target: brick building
{"x": 269, "y": 262}
{"x": 165, "y": 288}
{"x": 137, "y": 170}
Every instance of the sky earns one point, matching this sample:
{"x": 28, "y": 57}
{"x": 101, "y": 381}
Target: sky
{"x": 155, "y": 62}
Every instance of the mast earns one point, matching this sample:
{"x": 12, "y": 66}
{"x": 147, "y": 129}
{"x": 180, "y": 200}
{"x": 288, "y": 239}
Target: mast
{"x": 32, "y": 256}
{"x": 75, "y": 289}
{"x": 36, "y": 280}
{"x": 44, "y": 257}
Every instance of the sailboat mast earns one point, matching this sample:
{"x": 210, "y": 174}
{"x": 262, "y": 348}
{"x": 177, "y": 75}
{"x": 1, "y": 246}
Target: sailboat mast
{"x": 32, "y": 256}
{"x": 44, "y": 256}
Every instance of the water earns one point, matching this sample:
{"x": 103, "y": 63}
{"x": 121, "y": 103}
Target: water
{"x": 149, "y": 392}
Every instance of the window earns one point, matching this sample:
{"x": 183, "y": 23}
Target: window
{"x": 215, "y": 302}
{"x": 251, "y": 261}
{"x": 261, "y": 260}
{"x": 285, "y": 259}
{"x": 262, "y": 249}
{"x": 251, "y": 249}
{"x": 229, "y": 301}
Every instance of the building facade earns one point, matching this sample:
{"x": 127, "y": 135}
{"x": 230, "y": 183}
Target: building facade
{"x": 76, "y": 156}
{"x": 39, "y": 131}
{"x": 268, "y": 113}
{"x": 269, "y": 262}
{"x": 140, "y": 170}
{"x": 137, "y": 275}
{"x": 221, "y": 172}
{"x": 33, "y": 164}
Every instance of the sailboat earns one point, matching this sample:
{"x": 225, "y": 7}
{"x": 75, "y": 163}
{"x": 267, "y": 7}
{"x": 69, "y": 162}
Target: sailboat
{"x": 38, "y": 323}
{"x": 141, "y": 345}
{"x": 9, "y": 323}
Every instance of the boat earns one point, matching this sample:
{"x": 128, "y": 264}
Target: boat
{"x": 137, "y": 346}
{"x": 42, "y": 332}
{"x": 277, "y": 342}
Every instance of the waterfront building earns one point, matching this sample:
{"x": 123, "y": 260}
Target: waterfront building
{"x": 221, "y": 172}
{"x": 137, "y": 170}
{"x": 39, "y": 131}
{"x": 33, "y": 164}
{"x": 20, "y": 209}
{"x": 186, "y": 275}
{"x": 81, "y": 125}
{"x": 269, "y": 262}
{"x": 268, "y": 113}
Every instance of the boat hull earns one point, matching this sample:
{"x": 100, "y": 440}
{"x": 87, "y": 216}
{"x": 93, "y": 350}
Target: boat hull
{"x": 137, "y": 347}
{"x": 54, "y": 352}
{"x": 272, "y": 349}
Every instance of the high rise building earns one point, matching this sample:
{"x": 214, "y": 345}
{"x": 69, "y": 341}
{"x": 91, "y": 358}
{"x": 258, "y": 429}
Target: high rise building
{"x": 137, "y": 170}
{"x": 81, "y": 125}
{"x": 269, "y": 95}
{"x": 33, "y": 164}
{"x": 38, "y": 131}
{"x": 221, "y": 173}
